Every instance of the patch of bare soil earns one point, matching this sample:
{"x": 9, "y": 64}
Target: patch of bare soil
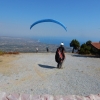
{"x": 6, "y": 68}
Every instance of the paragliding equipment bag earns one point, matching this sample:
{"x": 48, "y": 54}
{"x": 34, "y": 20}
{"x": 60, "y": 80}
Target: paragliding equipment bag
{"x": 58, "y": 55}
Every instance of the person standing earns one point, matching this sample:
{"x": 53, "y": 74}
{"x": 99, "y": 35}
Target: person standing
{"x": 36, "y": 49}
{"x": 60, "y": 55}
{"x": 47, "y": 49}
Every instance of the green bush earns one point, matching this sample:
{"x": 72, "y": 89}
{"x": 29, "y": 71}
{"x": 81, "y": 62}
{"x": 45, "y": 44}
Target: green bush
{"x": 85, "y": 49}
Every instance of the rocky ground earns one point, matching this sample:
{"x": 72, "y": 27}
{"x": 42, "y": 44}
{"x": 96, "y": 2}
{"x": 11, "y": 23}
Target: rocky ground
{"x": 36, "y": 73}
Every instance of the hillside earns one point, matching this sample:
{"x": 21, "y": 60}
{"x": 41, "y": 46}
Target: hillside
{"x": 9, "y": 44}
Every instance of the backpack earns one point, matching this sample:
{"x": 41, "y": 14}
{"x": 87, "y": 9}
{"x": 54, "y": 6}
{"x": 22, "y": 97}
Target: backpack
{"x": 58, "y": 55}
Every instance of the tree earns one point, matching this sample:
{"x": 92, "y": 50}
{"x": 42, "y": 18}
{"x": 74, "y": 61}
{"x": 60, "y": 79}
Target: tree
{"x": 88, "y": 43}
{"x": 85, "y": 48}
{"x": 75, "y": 44}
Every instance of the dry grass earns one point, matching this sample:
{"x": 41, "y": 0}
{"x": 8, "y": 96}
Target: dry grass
{"x": 6, "y": 68}
{"x": 12, "y": 53}
{"x": 2, "y": 53}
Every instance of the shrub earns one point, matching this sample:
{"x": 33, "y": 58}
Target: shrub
{"x": 85, "y": 49}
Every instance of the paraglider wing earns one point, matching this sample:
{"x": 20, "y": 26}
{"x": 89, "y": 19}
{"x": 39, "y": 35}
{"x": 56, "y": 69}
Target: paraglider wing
{"x": 48, "y": 20}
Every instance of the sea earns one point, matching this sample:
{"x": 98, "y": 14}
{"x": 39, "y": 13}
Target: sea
{"x": 53, "y": 40}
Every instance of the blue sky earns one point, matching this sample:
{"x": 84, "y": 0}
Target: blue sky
{"x": 81, "y": 17}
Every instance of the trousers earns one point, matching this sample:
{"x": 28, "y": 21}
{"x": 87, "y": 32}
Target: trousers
{"x": 59, "y": 65}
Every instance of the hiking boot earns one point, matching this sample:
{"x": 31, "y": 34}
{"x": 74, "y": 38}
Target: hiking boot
{"x": 58, "y": 66}
{"x": 61, "y": 68}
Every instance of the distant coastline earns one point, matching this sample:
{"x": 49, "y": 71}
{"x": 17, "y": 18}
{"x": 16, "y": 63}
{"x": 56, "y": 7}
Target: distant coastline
{"x": 17, "y": 44}
{"x": 54, "y": 41}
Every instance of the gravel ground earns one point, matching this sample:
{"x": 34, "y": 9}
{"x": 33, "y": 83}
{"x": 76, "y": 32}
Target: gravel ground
{"x": 36, "y": 73}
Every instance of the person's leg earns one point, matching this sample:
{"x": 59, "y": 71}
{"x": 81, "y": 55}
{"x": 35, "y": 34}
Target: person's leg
{"x": 58, "y": 65}
{"x": 61, "y": 63}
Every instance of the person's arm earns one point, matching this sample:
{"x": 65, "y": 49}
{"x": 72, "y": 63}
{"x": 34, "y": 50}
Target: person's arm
{"x": 64, "y": 53}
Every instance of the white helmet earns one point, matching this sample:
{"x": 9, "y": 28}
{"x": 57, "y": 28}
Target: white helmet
{"x": 62, "y": 43}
